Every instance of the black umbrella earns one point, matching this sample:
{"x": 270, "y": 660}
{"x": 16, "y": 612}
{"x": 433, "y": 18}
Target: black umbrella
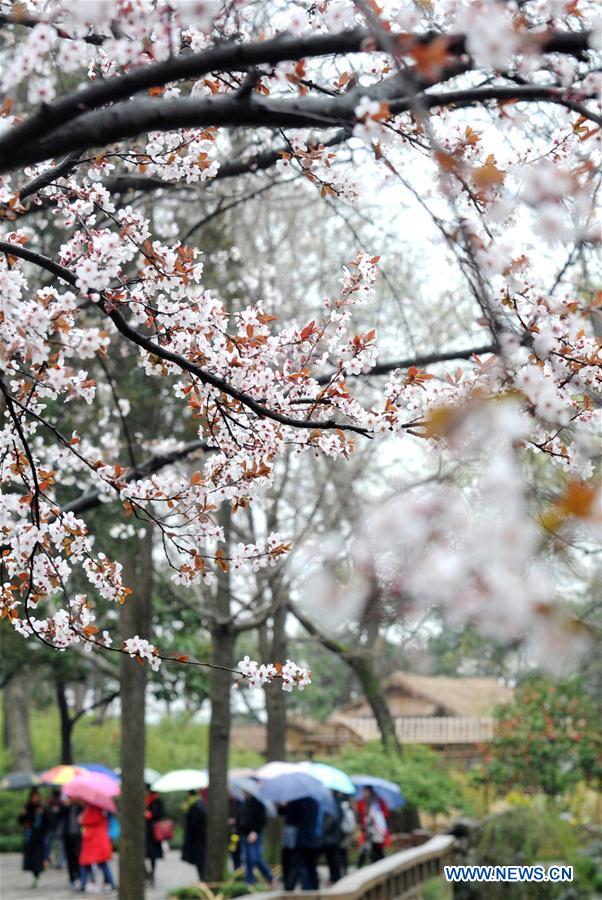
{"x": 16, "y": 781}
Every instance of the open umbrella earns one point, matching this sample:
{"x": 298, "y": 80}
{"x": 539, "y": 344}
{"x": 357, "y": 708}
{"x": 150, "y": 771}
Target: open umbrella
{"x": 104, "y": 770}
{"x": 62, "y": 774}
{"x": 294, "y": 786}
{"x": 95, "y": 788}
{"x": 16, "y": 781}
{"x": 386, "y": 790}
{"x": 274, "y": 769}
{"x": 239, "y": 787}
{"x": 331, "y": 777}
{"x": 182, "y": 780}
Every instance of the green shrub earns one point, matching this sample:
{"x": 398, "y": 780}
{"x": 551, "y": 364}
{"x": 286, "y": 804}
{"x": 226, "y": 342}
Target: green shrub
{"x": 435, "y": 889}
{"x": 11, "y": 804}
{"x": 419, "y": 772}
{"x": 11, "y": 843}
{"x": 526, "y": 835}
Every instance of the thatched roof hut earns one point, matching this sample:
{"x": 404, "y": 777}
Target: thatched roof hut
{"x": 426, "y": 695}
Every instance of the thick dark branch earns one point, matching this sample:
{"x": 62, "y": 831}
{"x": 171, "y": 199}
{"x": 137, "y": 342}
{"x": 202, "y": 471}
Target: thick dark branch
{"x": 181, "y": 362}
{"x": 425, "y": 359}
{"x": 45, "y": 178}
{"x": 228, "y": 58}
{"x": 127, "y": 120}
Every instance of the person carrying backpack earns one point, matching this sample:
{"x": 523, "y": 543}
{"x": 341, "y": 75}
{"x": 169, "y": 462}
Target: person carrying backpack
{"x": 331, "y": 839}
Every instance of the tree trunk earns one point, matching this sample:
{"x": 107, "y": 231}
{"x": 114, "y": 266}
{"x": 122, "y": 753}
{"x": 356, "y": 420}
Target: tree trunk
{"x": 371, "y": 687}
{"x": 17, "y": 737}
{"x": 135, "y": 618}
{"x": 275, "y": 697}
{"x": 219, "y": 745}
{"x": 223, "y": 641}
{"x": 66, "y": 723}
{"x": 275, "y": 704}
{"x": 361, "y": 664}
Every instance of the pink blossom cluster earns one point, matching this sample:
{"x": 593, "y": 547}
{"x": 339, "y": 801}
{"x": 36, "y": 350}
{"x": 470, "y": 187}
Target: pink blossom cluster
{"x": 143, "y": 650}
{"x": 473, "y": 551}
{"x": 291, "y": 674}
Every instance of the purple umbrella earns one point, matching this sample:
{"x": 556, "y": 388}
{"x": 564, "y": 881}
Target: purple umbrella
{"x": 104, "y": 770}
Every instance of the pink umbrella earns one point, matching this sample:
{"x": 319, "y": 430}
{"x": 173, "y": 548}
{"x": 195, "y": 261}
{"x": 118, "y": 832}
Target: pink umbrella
{"x": 94, "y": 788}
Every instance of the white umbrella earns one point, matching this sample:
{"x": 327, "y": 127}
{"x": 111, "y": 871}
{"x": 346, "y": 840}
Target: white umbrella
{"x": 182, "y": 780}
{"x": 275, "y": 769}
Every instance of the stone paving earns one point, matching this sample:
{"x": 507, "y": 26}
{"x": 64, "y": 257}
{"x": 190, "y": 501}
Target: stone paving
{"x": 16, "y": 884}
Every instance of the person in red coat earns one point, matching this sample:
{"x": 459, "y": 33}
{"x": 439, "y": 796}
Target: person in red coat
{"x": 96, "y": 846}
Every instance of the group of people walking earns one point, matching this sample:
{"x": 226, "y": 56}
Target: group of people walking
{"x": 310, "y": 835}
{"x": 78, "y": 835}
{"x": 81, "y": 837}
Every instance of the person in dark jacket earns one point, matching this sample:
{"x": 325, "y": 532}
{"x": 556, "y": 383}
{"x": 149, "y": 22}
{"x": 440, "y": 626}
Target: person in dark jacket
{"x": 34, "y": 820}
{"x": 72, "y": 838}
{"x": 302, "y": 820}
{"x": 154, "y": 811}
{"x": 251, "y": 822}
{"x": 195, "y": 831}
{"x": 56, "y": 810}
{"x": 330, "y": 842}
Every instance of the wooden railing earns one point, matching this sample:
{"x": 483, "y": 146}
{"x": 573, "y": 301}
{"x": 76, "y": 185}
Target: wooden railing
{"x": 429, "y": 729}
{"x": 397, "y": 876}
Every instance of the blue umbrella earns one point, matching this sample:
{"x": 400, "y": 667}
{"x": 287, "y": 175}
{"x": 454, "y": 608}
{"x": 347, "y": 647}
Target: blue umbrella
{"x": 240, "y": 787}
{"x": 386, "y": 790}
{"x": 331, "y": 777}
{"x": 295, "y": 786}
{"x": 97, "y": 767}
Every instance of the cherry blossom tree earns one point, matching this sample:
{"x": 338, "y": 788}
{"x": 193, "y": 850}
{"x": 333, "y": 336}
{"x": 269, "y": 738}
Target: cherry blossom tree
{"x": 485, "y": 115}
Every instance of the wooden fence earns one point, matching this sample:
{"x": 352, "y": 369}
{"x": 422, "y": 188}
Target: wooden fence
{"x": 397, "y": 876}
{"x": 429, "y": 729}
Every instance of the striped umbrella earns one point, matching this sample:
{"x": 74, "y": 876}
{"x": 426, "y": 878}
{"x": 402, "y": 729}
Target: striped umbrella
{"x": 62, "y": 774}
